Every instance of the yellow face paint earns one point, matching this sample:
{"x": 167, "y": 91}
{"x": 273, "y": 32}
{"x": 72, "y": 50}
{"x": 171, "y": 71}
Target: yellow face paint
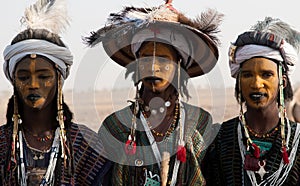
{"x": 35, "y": 81}
{"x": 157, "y": 65}
{"x": 259, "y": 82}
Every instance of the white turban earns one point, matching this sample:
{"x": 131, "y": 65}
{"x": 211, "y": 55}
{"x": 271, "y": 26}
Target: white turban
{"x": 238, "y": 55}
{"x": 61, "y": 56}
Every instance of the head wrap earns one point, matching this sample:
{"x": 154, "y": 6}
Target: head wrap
{"x": 48, "y": 15}
{"x": 271, "y": 39}
{"x": 60, "y": 56}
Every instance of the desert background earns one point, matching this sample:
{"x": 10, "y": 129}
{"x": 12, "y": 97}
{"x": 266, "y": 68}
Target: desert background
{"x": 91, "y": 107}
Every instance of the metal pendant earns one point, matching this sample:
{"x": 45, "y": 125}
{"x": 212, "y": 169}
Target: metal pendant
{"x": 35, "y": 157}
{"x": 151, "y": 179}
{"x": 41, "y": 156}
{"x": 139, "y": 162}
{"x": 261, "y": 170}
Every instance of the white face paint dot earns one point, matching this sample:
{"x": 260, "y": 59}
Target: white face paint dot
{"x": 167, "y": 103}
{"x": 167, "y": 67}
{"x": 153, "y": 111}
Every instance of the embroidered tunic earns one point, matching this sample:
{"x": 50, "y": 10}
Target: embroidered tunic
{"x": 223, "y": 163}
{"x": 143, "y": 167}
{"x": 90, "y": 166}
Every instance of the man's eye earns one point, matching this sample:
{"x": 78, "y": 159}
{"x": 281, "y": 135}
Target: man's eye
{"x": 164, "y": 60}
{"x": 44, "y": 76}
{"x": 246, "y": 75}
{"x": 267, "y": 74}
{"x": 23, "y": 78}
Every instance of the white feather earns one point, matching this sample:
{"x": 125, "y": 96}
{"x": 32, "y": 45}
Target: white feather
{"x": 161, "y": 13}
{"x": 47, "y": 14}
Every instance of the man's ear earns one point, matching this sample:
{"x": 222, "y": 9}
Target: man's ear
{"x": 284, "y": 80}
{"x": 296, "y": 112}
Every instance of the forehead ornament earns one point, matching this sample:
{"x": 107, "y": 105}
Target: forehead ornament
{"x": 32, "y": 56}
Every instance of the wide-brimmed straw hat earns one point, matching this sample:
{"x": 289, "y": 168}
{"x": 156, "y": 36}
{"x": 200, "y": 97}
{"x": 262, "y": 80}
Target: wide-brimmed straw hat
{"x": 194, "y": 39}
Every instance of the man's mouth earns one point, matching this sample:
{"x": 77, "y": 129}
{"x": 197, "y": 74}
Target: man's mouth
{"x": 257, "y": 96}
{"x": 33, "y": 97}
{"x": 153, "y": 79}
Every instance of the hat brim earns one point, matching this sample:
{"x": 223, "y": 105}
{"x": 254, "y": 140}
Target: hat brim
{"x": 117, "y": 44}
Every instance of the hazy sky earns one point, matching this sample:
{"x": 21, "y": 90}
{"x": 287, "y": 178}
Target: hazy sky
{"x": 93, "y": 69}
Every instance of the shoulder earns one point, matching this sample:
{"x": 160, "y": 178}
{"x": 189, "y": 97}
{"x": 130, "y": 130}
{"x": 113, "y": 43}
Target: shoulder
{"x": 119, "y": 115}
{"x": 81, "y": 129}
{"x": 231, "y": 122}
{"x": 118, "y": 122}
{"x": 195, "y": 110}
{"x": 89, "y": 154}
{"x": 5, "y": 140}
{"x": 197, "y": 114}
{"x": 81, "y": 135}
{"x": 295, "y": 127}
{"x": 85, "y": 140}
{"x": 197, "y": 120}
{"x": 228, "y": 128}
{"x": 5, "y": 131}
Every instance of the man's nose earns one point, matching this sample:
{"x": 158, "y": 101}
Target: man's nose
{"x": 257, "y": 82}
{"x": 34, "y": 83}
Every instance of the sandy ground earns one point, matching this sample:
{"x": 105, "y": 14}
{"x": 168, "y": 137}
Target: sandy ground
{"x": 91, "y": 108}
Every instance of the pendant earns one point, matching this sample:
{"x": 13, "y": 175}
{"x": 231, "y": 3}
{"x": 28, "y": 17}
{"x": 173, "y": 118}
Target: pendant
{"x": 139, "y": 162}
{"x": 130, "y": 146}
{"x": 261, "y": 170}
{"x": 251, "y": 163}
{"x": 41, "y": 156}
{"x": 35, "y": 157}
{"x": 151, "y": 180}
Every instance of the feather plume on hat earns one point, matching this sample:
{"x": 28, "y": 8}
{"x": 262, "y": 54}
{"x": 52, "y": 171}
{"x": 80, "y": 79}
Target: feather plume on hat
{"x": 280, "y": 28}
{"x": 271, "y": 38}
{"x": 47, "y": 14}
{"x": 198, "y": 34}
{"x": 207, "y": 22}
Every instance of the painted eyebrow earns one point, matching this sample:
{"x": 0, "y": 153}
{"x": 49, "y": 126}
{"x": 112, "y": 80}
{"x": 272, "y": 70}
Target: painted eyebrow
{"x": 260, "y": 71}
{"x": 27, "y": 71}
{"x": 151, "y": 55}
{"x": 243, "y": 71}
{"x": 272, "y": 71}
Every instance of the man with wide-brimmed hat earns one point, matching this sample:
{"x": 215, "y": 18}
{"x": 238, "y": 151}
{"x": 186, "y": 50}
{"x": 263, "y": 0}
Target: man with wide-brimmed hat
{"x": 158, "y": 139}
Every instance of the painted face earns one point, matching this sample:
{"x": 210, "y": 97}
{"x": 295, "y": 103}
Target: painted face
{"x": 259, "y": 82}
{"x": 36, "y": 81}
{"x": 157, "y": 65}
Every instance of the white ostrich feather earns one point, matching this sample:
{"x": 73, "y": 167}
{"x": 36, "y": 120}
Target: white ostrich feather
{"x": 47, "y": 14}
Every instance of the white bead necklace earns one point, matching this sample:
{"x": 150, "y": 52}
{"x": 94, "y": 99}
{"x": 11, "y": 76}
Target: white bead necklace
{"x": 48, "y": 178}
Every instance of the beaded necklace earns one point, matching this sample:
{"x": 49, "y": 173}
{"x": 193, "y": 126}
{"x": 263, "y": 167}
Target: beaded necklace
{"x": 48, "y": 178}
{"x": 171, "y": 127}
{"x": 280, "y": 175}
{"x": 40, "y": 138}
{"x": 262, "y": 135}
{"x": 37, "y": 154}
